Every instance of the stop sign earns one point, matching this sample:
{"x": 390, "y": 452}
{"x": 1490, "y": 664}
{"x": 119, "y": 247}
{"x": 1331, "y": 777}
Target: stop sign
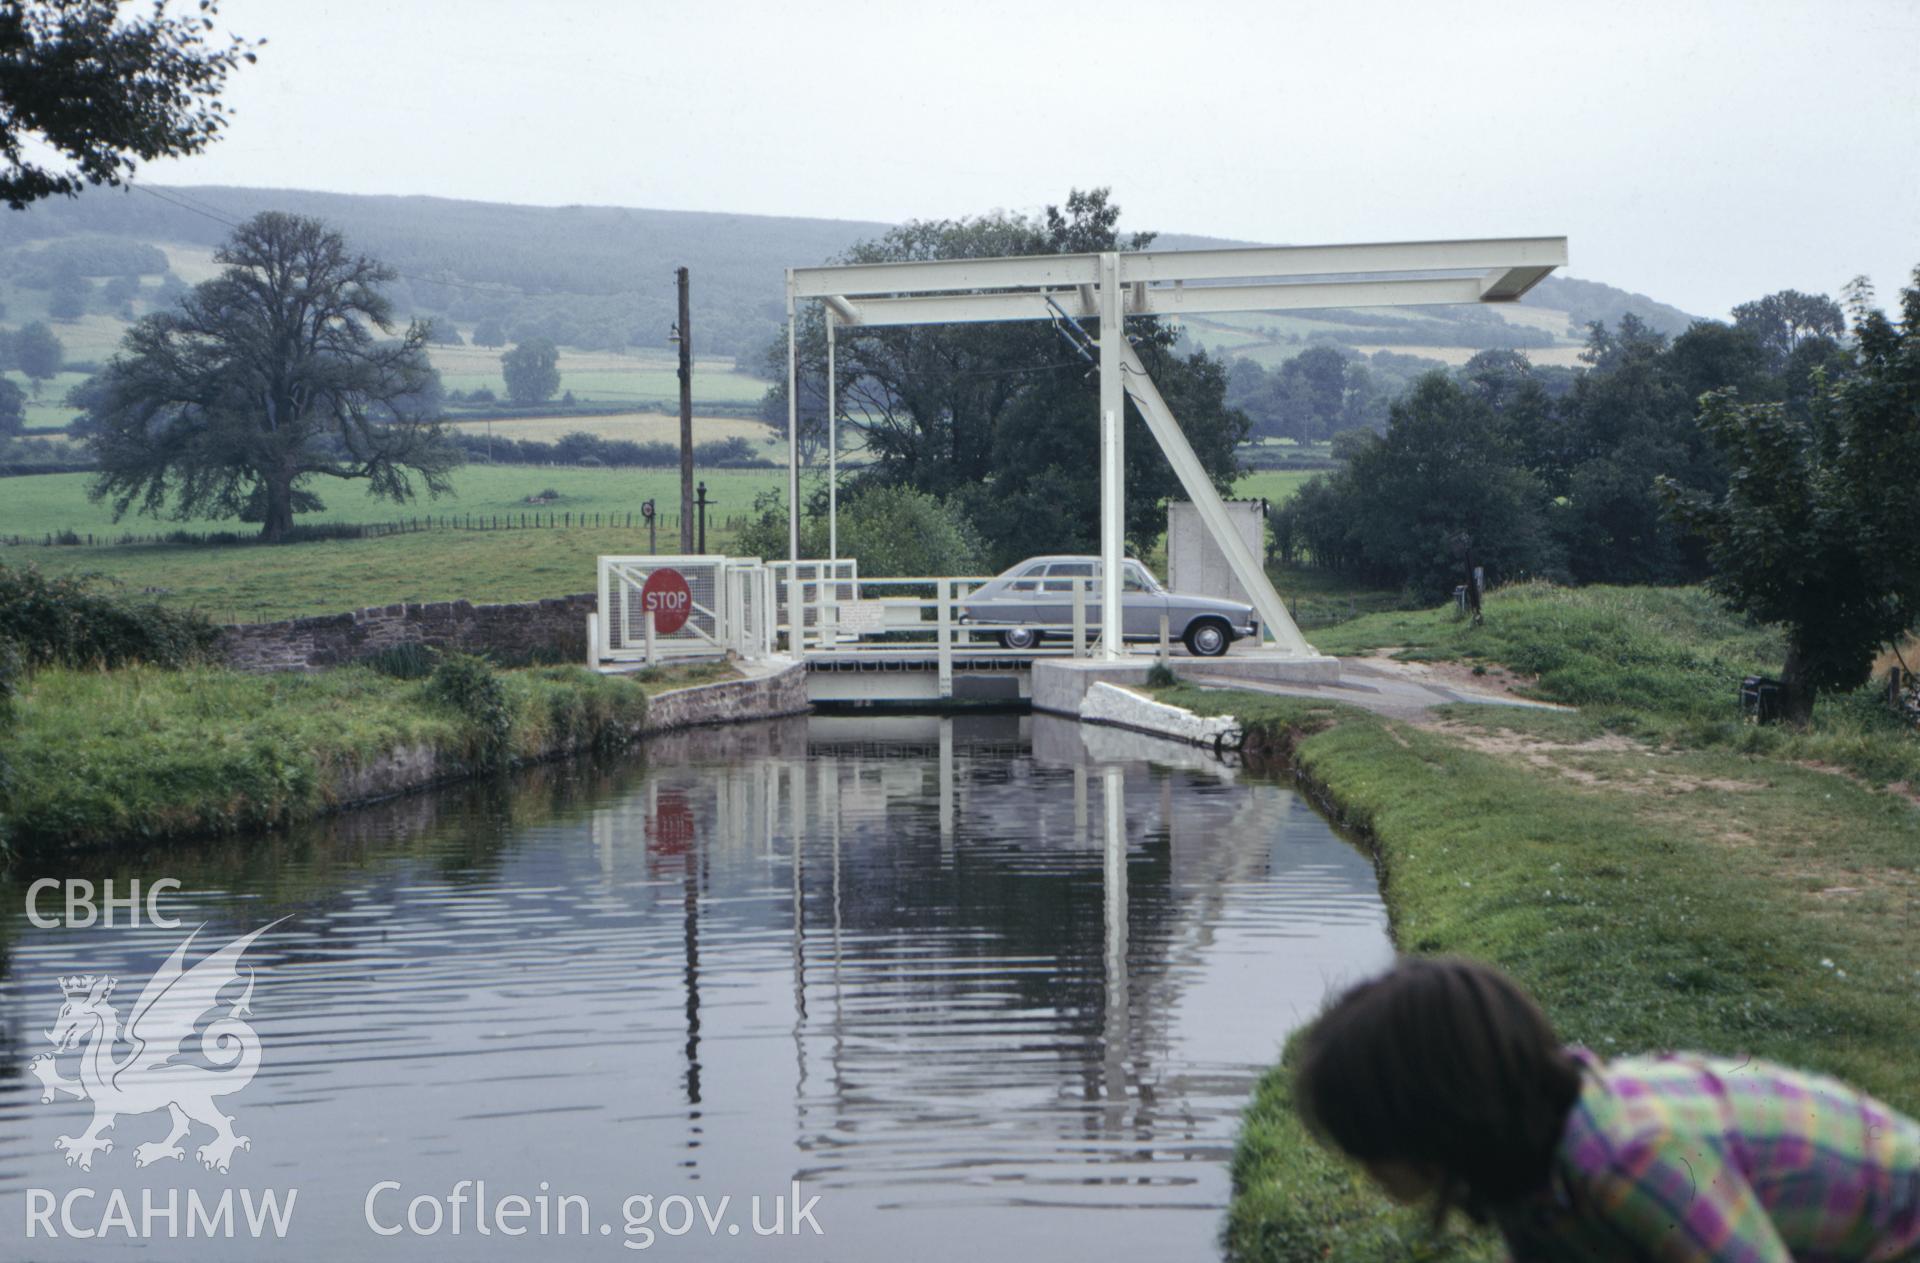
{"x": 670, "y": 831}
{"x": 666, "y": 594}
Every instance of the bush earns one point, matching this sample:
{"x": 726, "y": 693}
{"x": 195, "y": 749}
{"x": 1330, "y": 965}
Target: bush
{"x": 1348, "y": 444}
{"x": 409, "y": 661}
{"x": 582, "y": 709}
{"x": 892, "y": 530}
{"x": 67, "y": 622}
{"x": 10, "y": 671}
{"x": 470, "y": 686}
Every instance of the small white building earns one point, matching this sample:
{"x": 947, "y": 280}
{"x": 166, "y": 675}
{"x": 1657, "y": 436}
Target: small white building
{"x": 1195, "y": 564}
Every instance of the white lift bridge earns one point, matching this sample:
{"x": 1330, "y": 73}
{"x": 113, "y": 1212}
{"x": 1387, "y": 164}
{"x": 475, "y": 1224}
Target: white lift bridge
{"x": 1110, "y": 286}
{"x": 820, "y": 608}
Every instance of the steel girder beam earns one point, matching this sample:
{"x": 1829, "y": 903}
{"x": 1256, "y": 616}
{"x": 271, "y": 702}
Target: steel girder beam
{"x": 1113, "y": 462}
{"x": 1182, "y": 300}
{"x": 1174, "y": 281}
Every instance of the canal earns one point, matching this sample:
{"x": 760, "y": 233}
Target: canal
{"x": 994, "y": 984}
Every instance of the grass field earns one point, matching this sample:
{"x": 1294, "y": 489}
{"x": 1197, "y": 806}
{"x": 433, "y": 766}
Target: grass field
{"x": 55, "y": 502}
{"x": 635, "y": 427}
{"x": 252, "y": 583}
{"x": 1563, "y": 356}
{"x": 603, "y": 376}
{"x": 249, "y": 582}
{"x": 1657, "y": 872}
{"x": 1276, "y": 485}
{"x": 1270, "y": 339}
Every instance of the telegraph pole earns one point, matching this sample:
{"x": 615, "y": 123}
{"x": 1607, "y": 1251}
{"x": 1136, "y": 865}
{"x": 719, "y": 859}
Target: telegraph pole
{"x": 684, "y": 330}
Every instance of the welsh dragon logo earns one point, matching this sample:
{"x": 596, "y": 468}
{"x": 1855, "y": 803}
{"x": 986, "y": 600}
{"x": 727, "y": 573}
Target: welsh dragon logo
{"x": 156, "y": 1071}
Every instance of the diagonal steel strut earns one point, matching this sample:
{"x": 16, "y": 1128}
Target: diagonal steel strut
{"x": 1193, "y": 477}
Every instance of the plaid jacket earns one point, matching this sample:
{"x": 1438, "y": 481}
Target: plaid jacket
{"x": 1686, "y": 1159}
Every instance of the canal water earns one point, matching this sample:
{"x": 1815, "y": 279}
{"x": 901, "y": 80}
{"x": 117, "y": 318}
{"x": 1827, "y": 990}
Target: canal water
{"x": 993, "y": 985}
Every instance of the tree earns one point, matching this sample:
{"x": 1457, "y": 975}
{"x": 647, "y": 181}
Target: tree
{"x": 532, "y": 371}
{"x": 71, "y": 292}
{"x": 38, "y": 353}
{"x": 1815, "y": 531}
{"x": 119, "y": 292}
{"x": 892, "y": 530}
{"x": 172, "y": 289}
{"x": 104, "y": 92}
{"x": 1444, "y": 486}
{"x": 13, "y": 409}
{"x": 1781, "y": 322}
{"x": 1003, "y": 418}
{"x": 489, "y": 333}
{"x": 1313, "y": 390}
{"x": 1348, "y": 444}
{"x": 443, "y": 333}
{"x": 262, "y": 380}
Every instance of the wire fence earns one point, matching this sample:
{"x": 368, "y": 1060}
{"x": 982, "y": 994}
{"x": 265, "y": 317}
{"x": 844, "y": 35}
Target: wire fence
{"x": 664, "y": 524}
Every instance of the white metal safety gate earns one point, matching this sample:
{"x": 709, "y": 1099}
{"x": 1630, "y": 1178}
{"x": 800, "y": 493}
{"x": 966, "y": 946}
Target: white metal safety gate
{"x": 655, "y": 608}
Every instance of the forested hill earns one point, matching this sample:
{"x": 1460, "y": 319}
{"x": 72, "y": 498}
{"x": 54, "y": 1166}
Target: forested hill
{"x": 598, "y": 277}
{"x": 602, "y": 277}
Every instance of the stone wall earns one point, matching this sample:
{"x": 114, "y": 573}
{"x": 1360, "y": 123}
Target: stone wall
{"x": 555, "y": 626}
{"x": 780, "y": 691}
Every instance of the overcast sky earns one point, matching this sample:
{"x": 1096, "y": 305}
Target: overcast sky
{"x": 1701, "y": 153}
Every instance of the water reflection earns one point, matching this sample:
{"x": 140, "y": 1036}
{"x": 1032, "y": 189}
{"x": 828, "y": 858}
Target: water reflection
{"x": 987, "y": 982}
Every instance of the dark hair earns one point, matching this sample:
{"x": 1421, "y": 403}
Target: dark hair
{"x": 1445, "y": 1062}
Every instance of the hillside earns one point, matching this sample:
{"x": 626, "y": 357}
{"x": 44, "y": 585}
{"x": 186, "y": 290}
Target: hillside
{"x": 601, "y": 278}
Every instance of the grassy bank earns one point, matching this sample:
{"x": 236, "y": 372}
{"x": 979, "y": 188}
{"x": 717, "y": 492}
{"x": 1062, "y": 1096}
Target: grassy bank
{"x": 1661, "y": 665}
{"x": 101, "y": 757}
{"x": 1658, "y": 874}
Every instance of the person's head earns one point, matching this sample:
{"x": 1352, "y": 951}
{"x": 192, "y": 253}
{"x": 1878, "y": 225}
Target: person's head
{"x": 1443, "y": 1078}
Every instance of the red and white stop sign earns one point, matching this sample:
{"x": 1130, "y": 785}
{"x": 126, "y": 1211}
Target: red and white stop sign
{"x": 670, "y": 831}
{"x": 666, "y": 594}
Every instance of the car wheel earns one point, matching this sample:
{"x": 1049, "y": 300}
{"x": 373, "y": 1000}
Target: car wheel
{"x": 1207, "y": 638}
{"x": 1020, "y": 638}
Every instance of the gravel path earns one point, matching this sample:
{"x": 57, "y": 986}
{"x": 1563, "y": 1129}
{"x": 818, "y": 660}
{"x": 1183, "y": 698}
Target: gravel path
{"x": 1398, "y": 690}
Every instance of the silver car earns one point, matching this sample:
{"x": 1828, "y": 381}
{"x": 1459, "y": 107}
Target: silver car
{"x": 1035, "y": 598}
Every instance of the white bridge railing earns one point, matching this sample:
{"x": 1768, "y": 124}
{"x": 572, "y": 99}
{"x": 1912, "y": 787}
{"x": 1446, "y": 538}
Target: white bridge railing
{"x": 655, "y": 609}
{"x": 921, "y": 619}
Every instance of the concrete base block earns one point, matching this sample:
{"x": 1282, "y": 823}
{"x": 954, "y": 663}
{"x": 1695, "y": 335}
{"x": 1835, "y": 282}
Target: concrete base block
{"x": 1123, "y": 708}
{"x": 1061, "y": 684}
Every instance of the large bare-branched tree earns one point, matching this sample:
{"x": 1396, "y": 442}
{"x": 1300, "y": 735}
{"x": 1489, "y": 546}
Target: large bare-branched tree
{"x": 264, "y": 379}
